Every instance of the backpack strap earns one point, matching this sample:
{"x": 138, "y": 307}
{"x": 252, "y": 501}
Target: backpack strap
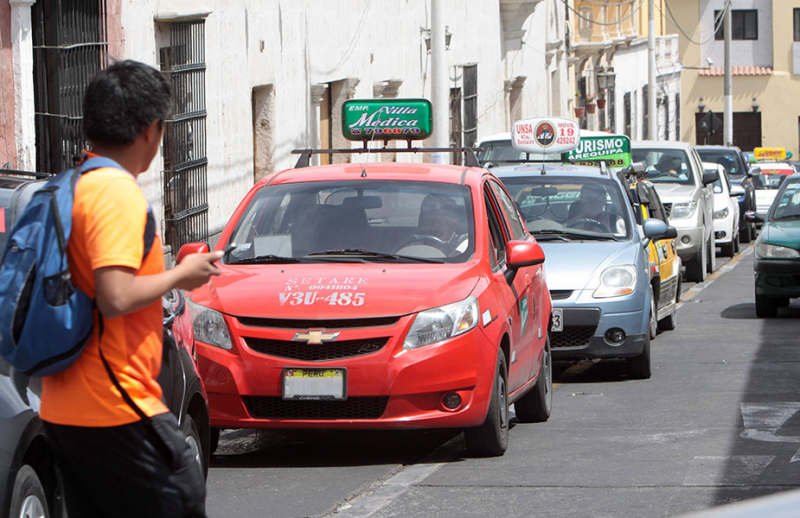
{"x": 128, "y": 399}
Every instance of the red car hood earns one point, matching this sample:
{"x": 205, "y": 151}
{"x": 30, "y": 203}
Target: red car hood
{"x": 316, "y": 291}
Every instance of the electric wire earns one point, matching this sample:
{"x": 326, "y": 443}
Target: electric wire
{"x": 717, "y": 22}
{"x": 604, "y": 24}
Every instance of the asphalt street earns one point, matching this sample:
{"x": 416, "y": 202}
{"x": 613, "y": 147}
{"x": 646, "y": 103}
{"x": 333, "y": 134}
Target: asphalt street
{"x": 717, "y": 422}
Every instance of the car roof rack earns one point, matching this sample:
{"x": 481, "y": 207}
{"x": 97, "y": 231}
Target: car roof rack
{"x": 305, "y": 154}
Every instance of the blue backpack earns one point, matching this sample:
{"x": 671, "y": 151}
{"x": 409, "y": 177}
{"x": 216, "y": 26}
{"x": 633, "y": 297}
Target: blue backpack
{"x": 45, "y": 321}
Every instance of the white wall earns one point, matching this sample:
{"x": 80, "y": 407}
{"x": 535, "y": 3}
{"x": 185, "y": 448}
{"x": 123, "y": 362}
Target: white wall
{"x": 743, "y": 52}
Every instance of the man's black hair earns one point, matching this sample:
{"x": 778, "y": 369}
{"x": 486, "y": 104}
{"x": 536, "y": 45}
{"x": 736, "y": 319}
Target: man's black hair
{"x": 122, "y": 101}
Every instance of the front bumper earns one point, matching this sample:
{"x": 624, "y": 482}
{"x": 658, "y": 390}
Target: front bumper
{"x": 389, "y": 388}
{"x": 585, "y": 328}
{"x": 778, "y": 277}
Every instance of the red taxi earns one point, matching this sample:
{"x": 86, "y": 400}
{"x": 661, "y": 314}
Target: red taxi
{"x": 377, "y": 295}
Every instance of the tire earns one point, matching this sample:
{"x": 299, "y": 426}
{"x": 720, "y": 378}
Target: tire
{"x": 192, "y": 436}
{"x": 711, "y": 263}
{"x": 652, "y": 326}
{"x": 669, "y": 323}
{"x": 745, "y": 231}
{"x": 491, "y": 438}
{"x": 639, "y": 366}
{"x": 536, "y": 405}
{"x": 783, "y": 302}
{"x": 729, "y": 249}
{"x": 696, "y": 266}
{"x": 766, "y": 307}
{"x": 28, "y": 497}
{"x": 214, "y": 442}
{"x": 736, "y": 244}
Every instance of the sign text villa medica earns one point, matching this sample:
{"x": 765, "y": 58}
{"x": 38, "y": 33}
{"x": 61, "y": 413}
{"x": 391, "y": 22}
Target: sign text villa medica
{"x": 378, "y": 119}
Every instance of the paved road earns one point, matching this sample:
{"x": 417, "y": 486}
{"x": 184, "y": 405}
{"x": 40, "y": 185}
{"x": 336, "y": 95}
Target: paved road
{"x": 718, "y": 422}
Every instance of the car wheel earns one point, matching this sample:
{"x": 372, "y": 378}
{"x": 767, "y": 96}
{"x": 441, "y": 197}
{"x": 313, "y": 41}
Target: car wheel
{"x": 536, "y": 405}
{"x": 639, "y": 366}
{"x": 653, "y": 324}
{"x": 783, "y": 302}
{"x": 745, "y": 231}
{"x": 491, "y": 438}
{"x": 669, "y": 323}
{"x": 192, "y": 437}
{"x": 696, "y": 266}
{"x": 736, "y": 243}
{"x": 766, "y": 307}
{"x": 214, "y": 442}
{"x": 728, "y": 249}
{"x": 28, "y": 499}
{"x": 711, "y": 264}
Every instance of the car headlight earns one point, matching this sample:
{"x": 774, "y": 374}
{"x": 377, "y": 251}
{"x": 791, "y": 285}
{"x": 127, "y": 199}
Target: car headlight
{"x": 721, "y": 214}
{"x": 437, "y": 324}
{"x": 209, "y": 326}
{"x": 616, "y": 281}
{"x": 683, "y": 210}
{"x": 765, "y": 251}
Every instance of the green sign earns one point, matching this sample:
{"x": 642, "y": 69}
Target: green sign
{"x": 614, "y": 150}
{"x": 387, "y": 119}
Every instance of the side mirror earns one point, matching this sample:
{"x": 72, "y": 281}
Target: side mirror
{"x": 736, "y": 191}
{"x": 672, "y": 233}
{"x": 520, "y": 254}
{"x": 753, "y": 217}
{"x": 191, "y": 248}
{"x": 710, "y": 177}
{"x": 655, "y": 229}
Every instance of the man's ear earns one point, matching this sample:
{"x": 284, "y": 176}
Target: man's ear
{"x": 153, "y": 131}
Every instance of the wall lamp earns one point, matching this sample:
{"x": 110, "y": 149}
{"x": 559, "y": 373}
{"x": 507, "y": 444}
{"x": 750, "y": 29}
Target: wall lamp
{"x": 447, "y": 37}
{"x": 701, "y": 107}
{"x": 755, "y": 105}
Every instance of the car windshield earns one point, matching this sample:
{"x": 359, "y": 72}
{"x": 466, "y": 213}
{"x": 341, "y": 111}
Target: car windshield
{"x": 724, "y": 157}
{"x": 665, "y": 165}
{"x": 498, "y": 151}
{"x": 356, "y": 221}
{"x": 570, "y": 207}
{"x": 765, "y": 178}
{"x": 787, "y": 205}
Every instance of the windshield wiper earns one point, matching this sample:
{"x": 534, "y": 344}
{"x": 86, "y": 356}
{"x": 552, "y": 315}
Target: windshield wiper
{"x": 573, "y": 234}
{"x": 545, "y": 236}
{"x": 267, "y": 259}
{"x": 359, "y": 252}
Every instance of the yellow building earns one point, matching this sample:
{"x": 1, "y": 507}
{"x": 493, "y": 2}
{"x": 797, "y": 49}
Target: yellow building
{"x": 609, "y": 57}
{"x": 765, "y": 59}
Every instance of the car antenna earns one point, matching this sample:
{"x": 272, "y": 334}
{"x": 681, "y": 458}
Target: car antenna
{"x": 543, "y": 171}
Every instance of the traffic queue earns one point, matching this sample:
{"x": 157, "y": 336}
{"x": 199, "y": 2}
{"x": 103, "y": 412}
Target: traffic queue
{"x": 391, "y": 295}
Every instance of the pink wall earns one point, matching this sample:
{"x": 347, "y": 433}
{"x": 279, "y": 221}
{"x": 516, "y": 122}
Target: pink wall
{"x": 116, "y": 38}
{"x": 8, "y": 143}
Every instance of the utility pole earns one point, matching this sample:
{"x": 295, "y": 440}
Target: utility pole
{"x": 439, "y": 76}
{"x": 652, "y": 119}
{"x": 728, "y": 119}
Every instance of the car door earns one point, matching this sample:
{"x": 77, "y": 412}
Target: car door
{"x": 707, "y": 195}
{"x": 522, "y": 290}
{"x": 668, "y": 262}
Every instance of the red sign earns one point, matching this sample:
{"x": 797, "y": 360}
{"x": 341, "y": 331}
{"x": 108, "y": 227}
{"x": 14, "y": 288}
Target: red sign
{"x": 2, "y": 220}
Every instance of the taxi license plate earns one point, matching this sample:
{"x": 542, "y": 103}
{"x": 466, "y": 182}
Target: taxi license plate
{"x": 558, "y": 320}
{"x": 314, "y": 384}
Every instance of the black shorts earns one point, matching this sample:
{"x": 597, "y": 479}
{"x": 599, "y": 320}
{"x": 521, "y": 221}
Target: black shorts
{"x": 140, "y": 469}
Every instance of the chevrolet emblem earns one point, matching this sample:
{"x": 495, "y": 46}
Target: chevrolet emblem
{"x": 315, "y": 336}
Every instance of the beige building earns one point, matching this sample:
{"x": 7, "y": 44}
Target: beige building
{"x": 765, "y": 55}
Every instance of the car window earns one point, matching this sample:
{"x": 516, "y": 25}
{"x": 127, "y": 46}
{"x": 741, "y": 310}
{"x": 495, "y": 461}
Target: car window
{"x": 593, "y": 206}
{"x": 766, "y": 178}
{"x": 655, "y": 209}
{"x": 727, "y": 158}
{"x": 503, "y": 151}
{"x": 787, "y": 205}
{"x": 665, "y": 165}
{"x": 516, "y": 226}
{"x": 496, "y": 237}
{"x": 417, "y": 219}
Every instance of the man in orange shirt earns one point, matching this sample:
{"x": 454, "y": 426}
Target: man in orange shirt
{"x": 119, "y": 449}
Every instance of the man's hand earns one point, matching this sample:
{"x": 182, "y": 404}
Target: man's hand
{"x": 196, "y": 269}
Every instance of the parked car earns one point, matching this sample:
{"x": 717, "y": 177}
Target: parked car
{"x": 29, "y": 482}
{"x": 768, "y": 178}
{"x": 735, "y": 163}
{"x": 677, "y": 173}
{"x": 726, "y": 211}
{"x": 777, "y": 250}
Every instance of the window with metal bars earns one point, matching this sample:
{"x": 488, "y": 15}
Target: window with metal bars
{"x": 69, "y": 47}
{"x": 470, "y": 91}
{"x": 184, "y": 146}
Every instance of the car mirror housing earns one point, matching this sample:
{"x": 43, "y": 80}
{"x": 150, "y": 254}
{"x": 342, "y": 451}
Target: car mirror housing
{"x": 656, "y": 229}
{"x": 753, "y": 217}
{"x": 191, "y": 248}
{"x": 520, "y": 254}
{"x": 710, "y": 177}
{"x": 737, "y": 190}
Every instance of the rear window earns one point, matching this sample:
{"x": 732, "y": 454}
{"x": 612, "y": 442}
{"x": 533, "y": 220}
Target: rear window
{"x": 665, "y": 165}
{"x": 727, "y": 158}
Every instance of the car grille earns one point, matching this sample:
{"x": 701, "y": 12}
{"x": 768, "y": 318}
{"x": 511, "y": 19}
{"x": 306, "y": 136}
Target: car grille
{"x": 270, "y": 407}
{"x": 347, "y": 323}
{"x": 560, "y": 294}
{"x": 316, "y": 352}
{"x": 668, "y": 208}
{"x": 573, "y": 336}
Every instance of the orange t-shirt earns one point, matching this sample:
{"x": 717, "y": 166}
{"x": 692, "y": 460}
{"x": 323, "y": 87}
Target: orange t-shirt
{"x": 108, "y": 224}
